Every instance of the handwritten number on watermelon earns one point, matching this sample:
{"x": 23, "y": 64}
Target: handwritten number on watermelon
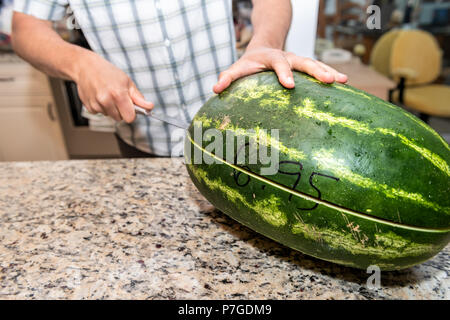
{"x": 319, "y": 194}
{"x": 237, "y": 174}
{"x": 298, "y": 174}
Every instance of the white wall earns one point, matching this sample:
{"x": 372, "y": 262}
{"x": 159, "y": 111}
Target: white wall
{"x": 301, "y": 38}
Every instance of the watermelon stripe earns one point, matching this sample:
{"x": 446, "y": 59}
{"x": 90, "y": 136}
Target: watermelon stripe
{"x": 419, "y": 122}
{"x": 258, "y": 135}
{"x": 326, "y": 159}
{"x": 435, "y": 159}
{"x": 339, "y": 87}
{"x": 319, "y": 201}
{"x": 251, "y": 90}
{"x": 347, "y": 89}
{"x": 356, "y": 244}
{"x": 410, "y": 116}
{"x": 407, "y": 114}
{"x": 307, "y": 110}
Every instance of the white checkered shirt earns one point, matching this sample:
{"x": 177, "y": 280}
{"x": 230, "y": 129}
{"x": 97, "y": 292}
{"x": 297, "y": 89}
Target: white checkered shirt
{"x": 173, "y": 50}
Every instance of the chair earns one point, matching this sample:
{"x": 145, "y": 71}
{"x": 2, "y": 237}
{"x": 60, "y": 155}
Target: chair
{"x": 381, "y": 53}
{"x": 413, "y": 59}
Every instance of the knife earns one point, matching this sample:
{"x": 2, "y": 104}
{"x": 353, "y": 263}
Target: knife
{"x": 170, "y": 120}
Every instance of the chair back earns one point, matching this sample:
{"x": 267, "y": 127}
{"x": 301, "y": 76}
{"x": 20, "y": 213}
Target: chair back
{"x": 381, "y": 53}
{"x": 418, "y": 51}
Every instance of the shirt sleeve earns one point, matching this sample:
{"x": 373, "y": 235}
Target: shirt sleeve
{"x": 43, "y": 9}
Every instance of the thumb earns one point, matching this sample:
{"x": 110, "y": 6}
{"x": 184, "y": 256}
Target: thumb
{"x": 138, "y": 99}
{"x": 225, "y": 79}
{"x": 237, "y": 70}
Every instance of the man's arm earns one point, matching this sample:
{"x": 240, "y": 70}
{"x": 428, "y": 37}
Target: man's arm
{"x": 102, "y": 87}
{"x": 271, "y": 20}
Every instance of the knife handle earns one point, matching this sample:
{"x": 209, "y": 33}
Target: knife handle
{"x": 142, "y": 111}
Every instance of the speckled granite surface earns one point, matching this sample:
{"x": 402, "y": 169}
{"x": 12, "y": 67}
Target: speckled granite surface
{"x": 138, "y": 229}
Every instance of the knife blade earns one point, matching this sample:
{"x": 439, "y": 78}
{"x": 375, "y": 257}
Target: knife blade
{"x": 161, "y": 117}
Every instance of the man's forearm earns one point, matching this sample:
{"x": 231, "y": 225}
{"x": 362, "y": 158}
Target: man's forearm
{"x": 36, "y": 42}
{"x": 271, "y": 20}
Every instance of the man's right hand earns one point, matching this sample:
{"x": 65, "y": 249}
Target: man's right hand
{"x": 103, "y": 88}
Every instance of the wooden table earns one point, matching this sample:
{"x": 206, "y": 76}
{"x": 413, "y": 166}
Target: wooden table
{"x": 365, "y": 78}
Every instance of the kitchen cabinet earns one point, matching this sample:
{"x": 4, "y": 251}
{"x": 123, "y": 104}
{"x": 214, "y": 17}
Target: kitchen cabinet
{"x": 29, "y": 125}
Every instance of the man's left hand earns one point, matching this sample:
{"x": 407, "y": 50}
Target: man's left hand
{"x": 265, "y": 58}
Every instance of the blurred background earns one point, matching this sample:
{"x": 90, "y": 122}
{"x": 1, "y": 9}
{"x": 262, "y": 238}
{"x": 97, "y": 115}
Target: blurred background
{"x": 397, "y": 50}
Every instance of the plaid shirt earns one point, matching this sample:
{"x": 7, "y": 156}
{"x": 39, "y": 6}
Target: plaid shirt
{"x": 173, "y": 50}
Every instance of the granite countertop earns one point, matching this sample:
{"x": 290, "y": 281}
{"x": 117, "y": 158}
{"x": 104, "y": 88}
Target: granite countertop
{"x": 138, "y": 229}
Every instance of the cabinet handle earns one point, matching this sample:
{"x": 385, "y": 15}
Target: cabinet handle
{"x": 7, "y": 79}
{"x": 50, "y": 111}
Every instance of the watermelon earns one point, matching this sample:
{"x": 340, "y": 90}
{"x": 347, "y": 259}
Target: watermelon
{"x": 359, "y": 181}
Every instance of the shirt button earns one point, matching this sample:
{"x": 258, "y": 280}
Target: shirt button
{"x": 167, "y": 42}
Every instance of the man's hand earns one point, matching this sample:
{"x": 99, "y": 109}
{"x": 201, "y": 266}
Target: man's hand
{"x": 265, "y": 58}
{"x": 103, "y": 88}
{"x": 271, "y": 20}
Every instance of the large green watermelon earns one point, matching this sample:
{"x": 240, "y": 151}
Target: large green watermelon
{"x": 360, "y": 181}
